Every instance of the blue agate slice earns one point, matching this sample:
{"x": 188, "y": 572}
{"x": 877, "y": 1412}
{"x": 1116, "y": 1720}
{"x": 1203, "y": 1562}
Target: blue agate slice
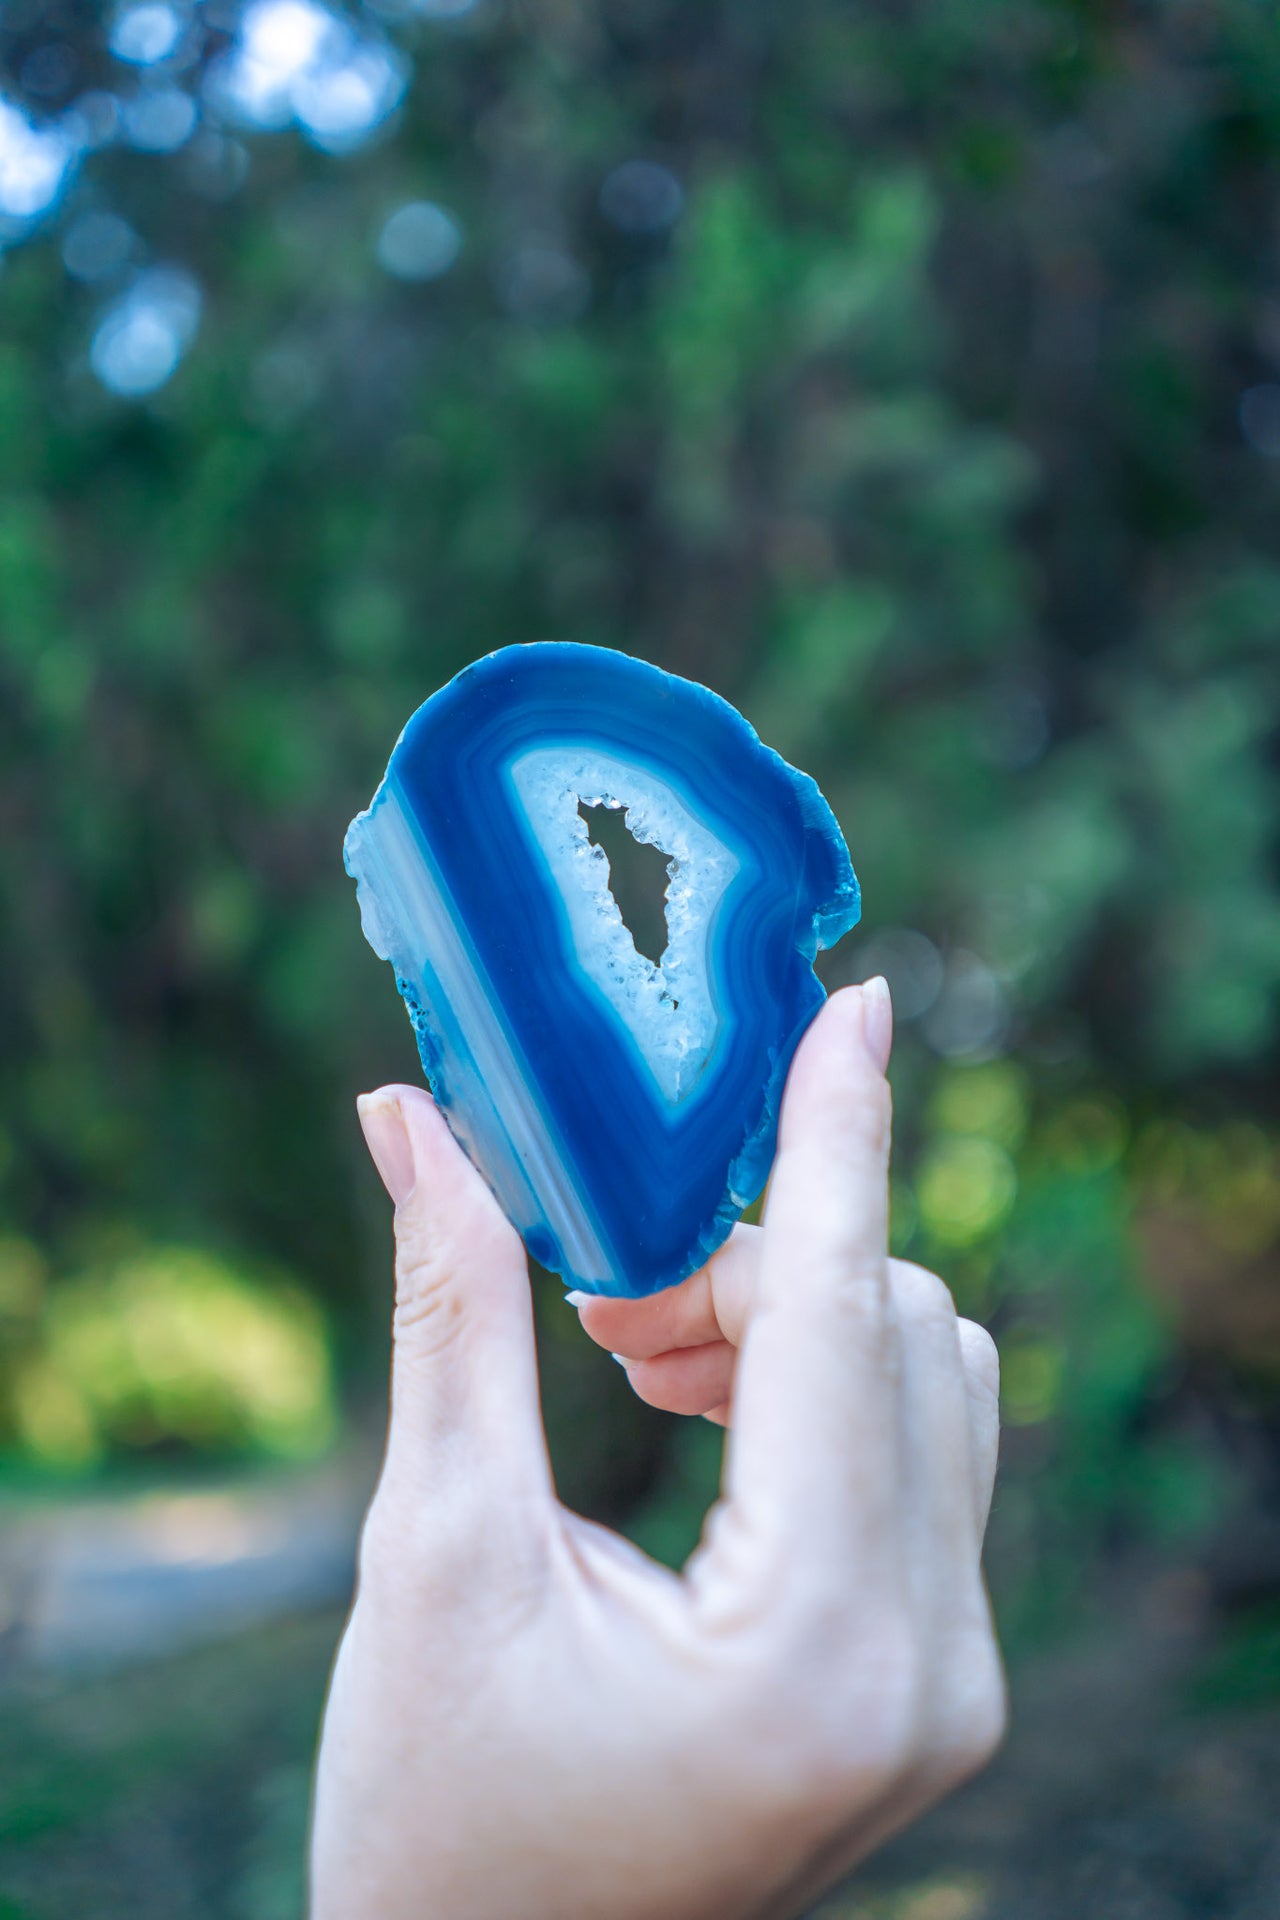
{"x": 623, "y": 1112}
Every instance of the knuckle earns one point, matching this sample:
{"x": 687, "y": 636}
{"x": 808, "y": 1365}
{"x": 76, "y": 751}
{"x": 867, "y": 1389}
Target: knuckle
{"x": 436, "y": 1554}
{"x": 429, "y": 1311}
{"x": 989, "y": 1726}
{"x": 870, "y": 1119}
{"x": 405, "y": 1537}
{"x": 418, "y": 1536}
{"x": 844, "y": 1726}
{"x": 859, "y": 1298}
{"x": 981, "y": 1361}
{"x": 920, "y": 1295}
{"x": 978, "y": 1712}
{"x": 872, "y": 1712}
{"x": 381, "y": 1547}
{"x": 852, "y": 1703}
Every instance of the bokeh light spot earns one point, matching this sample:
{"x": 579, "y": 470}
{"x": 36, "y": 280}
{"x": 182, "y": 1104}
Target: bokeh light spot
{"x": 949, "y": 1899}
{"x": 94, "y": 120}
{"x": 142, "y": 337}
{"x": 340, "y": 105}
{"x": 160, "y": 119}
{"x": 541, "y": 282}
{"x": 144, "y": 34}
{"x": 1031, "y": 1371}
{"x": 1087, "y": 1135}
{"x": 97, "y": 246}
{"x": 970, "y": 1015}
{"x": 965, "y": 1189}
{"x": 280, "y": 40}
{"x": 34, "y": 163}
{"x": 296, "y": 60}
{"x": 910, "y": 963}
{"x": 419, "y": 241}
{"x": 641, "y": 197}
{"x": 990, "y": 1100}
{"x": 215, "y": 166}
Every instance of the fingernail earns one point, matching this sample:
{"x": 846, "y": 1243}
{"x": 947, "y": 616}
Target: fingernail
{"x": 387, "y": 1139}
{"x": 576, "y": 1299}
{"x": 621, "y": 1359}
{"x": 877, "y": 1020}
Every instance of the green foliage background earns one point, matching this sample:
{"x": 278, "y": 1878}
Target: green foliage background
{"x": 918, "y": 434}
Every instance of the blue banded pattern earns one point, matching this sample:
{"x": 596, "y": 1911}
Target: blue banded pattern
{"x": 623, "y": 1111}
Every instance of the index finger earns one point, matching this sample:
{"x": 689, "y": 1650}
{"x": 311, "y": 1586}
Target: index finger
{"x": 814, "y": 1444}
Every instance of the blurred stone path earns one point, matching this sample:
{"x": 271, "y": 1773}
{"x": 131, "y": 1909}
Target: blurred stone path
{"x": 95, "y": 1582}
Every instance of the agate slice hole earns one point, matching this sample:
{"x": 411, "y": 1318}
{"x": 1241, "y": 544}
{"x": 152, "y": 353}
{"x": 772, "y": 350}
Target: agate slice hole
{"x": 637, "y": 877}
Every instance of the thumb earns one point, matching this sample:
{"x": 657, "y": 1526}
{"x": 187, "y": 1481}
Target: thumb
{"x": 464, "y": 1383}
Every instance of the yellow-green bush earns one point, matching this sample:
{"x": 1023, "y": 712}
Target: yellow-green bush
{"x": 161, "y": 1347}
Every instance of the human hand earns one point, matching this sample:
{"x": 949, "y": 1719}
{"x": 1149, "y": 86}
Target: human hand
{"x": 528, "y": 1719}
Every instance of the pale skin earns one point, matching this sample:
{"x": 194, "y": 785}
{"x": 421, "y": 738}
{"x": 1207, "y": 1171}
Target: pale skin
{"x": 529, "y": 1719}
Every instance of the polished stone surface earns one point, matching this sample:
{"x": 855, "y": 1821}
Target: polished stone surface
{"x": 624, "y": 1112}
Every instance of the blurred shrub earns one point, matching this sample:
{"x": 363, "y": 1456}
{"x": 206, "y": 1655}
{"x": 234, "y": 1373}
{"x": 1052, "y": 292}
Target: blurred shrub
{"x": 159, "y": 1348}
